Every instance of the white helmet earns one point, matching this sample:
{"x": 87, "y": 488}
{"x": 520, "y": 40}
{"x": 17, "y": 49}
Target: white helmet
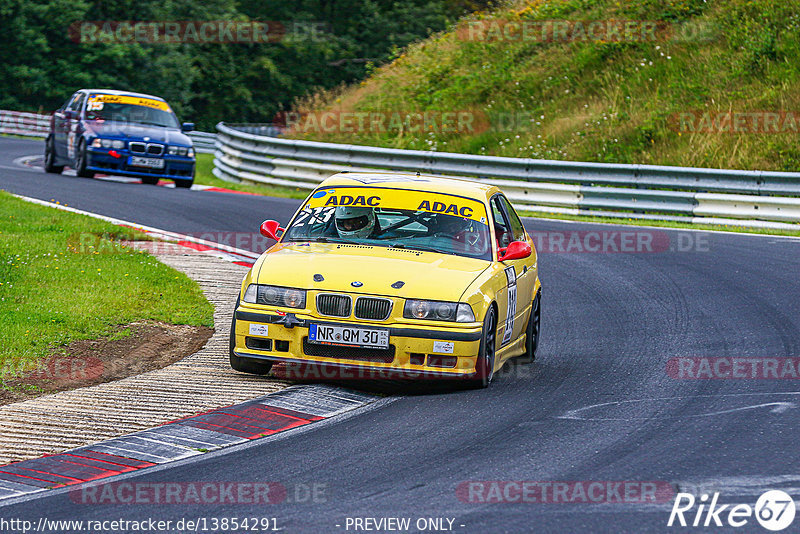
{"x": 354, "y": 222}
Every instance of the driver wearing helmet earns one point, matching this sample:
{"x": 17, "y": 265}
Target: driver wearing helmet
{"x": 355, "y": 223}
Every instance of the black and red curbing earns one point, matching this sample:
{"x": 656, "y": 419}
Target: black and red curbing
{"x": 284, "y": 410}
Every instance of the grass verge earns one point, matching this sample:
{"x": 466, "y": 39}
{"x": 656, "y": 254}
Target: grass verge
{"x": 64, "y": 277}
{"x": 661, "y": 224}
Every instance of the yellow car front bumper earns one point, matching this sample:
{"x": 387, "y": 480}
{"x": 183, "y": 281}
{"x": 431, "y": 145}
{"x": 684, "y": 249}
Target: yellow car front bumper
{"x": 415, "y": 351}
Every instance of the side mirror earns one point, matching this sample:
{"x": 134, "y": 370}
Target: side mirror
{"x": 187, "y": 127}
{"x": 516, "y": 250}
{"x": 69, "y": 114}
{"x": 270, "y": 229}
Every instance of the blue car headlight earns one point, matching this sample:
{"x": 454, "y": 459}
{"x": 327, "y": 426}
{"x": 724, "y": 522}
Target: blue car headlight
{"x": 108, "y": 143}
{"x": 181, "y": 151}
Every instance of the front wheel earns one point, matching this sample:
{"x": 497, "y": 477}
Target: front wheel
{"x": 50, "y": 158}
{"x": 245, "y": 365}
{"x": 80, "y": 166}
{"x": 484, "y": 366}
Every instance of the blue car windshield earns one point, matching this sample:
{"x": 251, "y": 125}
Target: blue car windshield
{"x": 131, "y": 113}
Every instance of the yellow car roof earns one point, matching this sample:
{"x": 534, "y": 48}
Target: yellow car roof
{"x": 412, "y": 181}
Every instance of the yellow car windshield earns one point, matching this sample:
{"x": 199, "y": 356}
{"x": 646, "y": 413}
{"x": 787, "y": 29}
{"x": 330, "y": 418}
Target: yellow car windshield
{"x": 413, "y": 220}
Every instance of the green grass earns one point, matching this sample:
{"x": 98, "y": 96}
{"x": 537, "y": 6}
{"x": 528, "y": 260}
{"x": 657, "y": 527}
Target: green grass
{"x": 66, "y": 277}
{"x": 660, "y": 224}
{"x": 204, "y": 176}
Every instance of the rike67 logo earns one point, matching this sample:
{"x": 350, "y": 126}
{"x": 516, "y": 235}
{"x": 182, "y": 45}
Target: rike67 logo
{"x": 774, "y": 510}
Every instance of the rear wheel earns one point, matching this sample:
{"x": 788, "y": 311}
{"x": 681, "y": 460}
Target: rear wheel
{"x": 50, "y": 158}
{"x": 484, "y": 366}
{"x": 245, "y": 365}
{"x": 185, "y": 184}
{"x": 533, "y": 331}
{"x": 149, "y": 180}
{"x": 80, "y": 166}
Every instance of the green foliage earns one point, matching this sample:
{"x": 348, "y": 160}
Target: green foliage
{"x": 329, "y": 42}
{"x": 600, "y": 99}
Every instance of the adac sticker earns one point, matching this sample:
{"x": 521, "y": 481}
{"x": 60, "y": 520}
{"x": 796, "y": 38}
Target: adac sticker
{"x": 391, "y": 198}
{"x": 447, "y": 209}
{"x": 95, "y": 99}
{"x": 371, "y": 201}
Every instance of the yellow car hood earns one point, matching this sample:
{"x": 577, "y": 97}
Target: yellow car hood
{"x": 426, "y": 275}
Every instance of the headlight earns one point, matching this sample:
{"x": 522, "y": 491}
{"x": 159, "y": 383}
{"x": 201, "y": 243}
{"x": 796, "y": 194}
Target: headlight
{"x": 438, "y": 311}
{"x": 190, "y": 153}
{"x": 179, "y": 151}
{"x": 275, "y": 296}
{"x": 107, "y": 143}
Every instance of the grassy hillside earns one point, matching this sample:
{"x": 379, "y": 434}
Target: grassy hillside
{"x": 573, "y": 97}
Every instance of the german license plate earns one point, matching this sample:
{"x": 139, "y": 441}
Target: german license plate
{"x": 152, "y": 163}
{"x": 348, "y": 336}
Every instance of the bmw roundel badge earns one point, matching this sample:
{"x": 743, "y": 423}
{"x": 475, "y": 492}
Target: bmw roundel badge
{"x": 357, "y": 284}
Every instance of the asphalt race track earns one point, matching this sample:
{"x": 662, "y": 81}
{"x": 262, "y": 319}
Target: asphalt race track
{"x": 597, "y": 405}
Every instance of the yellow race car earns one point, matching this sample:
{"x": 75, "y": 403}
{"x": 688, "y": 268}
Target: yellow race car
{"x": 392, "y": 275}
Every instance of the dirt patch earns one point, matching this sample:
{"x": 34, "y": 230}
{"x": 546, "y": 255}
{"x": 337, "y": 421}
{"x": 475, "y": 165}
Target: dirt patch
{"x": 149, "y": 346}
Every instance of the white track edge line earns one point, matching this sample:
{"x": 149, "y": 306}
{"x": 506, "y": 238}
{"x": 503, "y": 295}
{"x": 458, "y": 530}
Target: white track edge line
{"x": 156, "y": 232}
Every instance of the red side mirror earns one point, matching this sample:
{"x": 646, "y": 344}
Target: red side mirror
{"x": 271, "y": 228}
{"x": 516, "y": 250}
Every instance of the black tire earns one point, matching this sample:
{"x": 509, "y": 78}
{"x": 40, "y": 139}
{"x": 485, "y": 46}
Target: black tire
{"x": 245, "y": 365}
{"x": 484, "y": 366}
{"x": 184, "y": 184}
{"x": 80, "y": 164}
{"x": 50, "y": 158}
{"x": 534, "y": 331}
{"x": 149, "y": 180}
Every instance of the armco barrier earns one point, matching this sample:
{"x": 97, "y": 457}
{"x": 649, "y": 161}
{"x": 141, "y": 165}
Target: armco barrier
{"x": 35, "y": 125}
{"x": 743, "y": 198}
{"x": 25, "y": 124}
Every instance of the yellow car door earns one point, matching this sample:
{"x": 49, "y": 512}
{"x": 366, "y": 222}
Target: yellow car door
{"x": 520, "y": 274}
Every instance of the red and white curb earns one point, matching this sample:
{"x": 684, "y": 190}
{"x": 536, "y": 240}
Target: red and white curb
{"x": 235, "y": 255}
{"x": 287, "y": 409}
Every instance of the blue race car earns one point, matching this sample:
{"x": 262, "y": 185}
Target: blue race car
{"x": 121, "y": 133}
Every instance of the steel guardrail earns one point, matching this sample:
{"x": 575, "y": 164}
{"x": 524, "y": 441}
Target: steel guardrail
{"x": 716, "y": 196}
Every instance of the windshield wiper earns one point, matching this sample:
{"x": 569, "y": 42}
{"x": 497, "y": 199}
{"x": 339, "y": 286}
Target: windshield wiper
{"x": 315, "y": 240}
{"x": 152, "y": 124}
{"x": 420, "y": 248}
